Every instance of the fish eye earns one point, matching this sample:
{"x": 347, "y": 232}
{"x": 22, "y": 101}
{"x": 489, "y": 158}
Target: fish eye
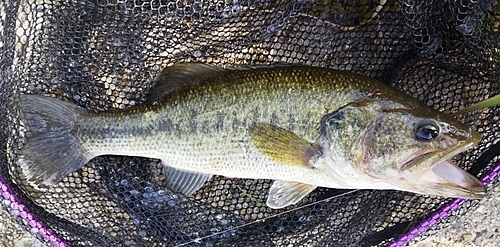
{"x": 426, "y": 131}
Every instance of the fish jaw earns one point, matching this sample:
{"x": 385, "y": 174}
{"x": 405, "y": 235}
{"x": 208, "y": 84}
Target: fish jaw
{"x": 444, "y": 177}
{"x": 449, "y": 180}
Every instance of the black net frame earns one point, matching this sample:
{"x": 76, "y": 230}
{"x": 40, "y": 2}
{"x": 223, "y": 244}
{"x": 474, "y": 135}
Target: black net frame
{"x": 105, "y": 54}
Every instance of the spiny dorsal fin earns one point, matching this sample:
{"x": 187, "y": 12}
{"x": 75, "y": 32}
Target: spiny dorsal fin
{"x": 282, "y": 146}
{"x": 184, "y": 182}
{"x": 283, "y": 193}
{"x": 177, "y": 76}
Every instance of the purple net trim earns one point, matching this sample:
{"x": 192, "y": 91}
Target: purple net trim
{"x": 16, "y": 207}
{"x": 441, "y": 213}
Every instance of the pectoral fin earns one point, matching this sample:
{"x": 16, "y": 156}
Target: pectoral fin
{"x": 184, "y": 182}
{"x": 283, "y": 146}
{"x": 283, "y": 194}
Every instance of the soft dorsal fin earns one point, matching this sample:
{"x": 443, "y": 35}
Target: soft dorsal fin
{"x": 283, "y": 146}
{"x": 177, "y": 76}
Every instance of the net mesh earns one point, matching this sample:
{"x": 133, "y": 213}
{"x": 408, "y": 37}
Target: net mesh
{"x": 104, "y": 55}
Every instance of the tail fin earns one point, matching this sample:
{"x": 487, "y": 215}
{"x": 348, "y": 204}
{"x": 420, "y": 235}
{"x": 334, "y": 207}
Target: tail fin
{"x": 51, "y": 151}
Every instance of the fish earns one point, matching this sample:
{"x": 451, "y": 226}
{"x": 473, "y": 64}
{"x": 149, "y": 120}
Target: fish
{"x": 303, "y": 127}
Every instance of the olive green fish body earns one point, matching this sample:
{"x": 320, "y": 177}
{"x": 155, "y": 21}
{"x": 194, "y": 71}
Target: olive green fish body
{"x": 301, "y": 126}
{"x": 206, "y": 127}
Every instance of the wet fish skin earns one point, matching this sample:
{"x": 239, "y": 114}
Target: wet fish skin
{"x": 291, "y": 100}
{"x": 203, "y": 120}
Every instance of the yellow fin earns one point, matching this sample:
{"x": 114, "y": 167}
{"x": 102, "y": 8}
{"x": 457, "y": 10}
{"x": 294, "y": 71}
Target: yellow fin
{"x": 282, "y": 146}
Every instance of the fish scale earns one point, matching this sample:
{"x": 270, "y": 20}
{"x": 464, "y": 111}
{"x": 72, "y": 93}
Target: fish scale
{"x": 301, "y": 126}
{"x": 250, "y": 97}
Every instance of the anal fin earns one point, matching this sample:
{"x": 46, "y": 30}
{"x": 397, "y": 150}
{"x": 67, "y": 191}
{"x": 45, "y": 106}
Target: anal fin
{"x": 184, "y": 182}
{"x": 284, "y": 193}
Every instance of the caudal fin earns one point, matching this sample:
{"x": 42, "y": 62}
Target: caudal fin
{"x": 51, "y": 151}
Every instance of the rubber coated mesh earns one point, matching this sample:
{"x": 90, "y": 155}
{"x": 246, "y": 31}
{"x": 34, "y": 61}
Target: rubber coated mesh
{"x": 105, "y": 54}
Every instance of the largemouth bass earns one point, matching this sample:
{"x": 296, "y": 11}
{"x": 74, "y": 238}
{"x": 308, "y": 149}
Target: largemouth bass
{"x": 301, "y": 126}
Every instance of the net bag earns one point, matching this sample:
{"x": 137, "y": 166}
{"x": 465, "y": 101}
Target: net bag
{"x": 105, "y": 54}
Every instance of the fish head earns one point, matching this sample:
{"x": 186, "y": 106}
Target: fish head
{"x": 407, "y": 146}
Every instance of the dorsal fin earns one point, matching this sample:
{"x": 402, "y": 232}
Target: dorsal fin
{"x": 178, "y": 76}
{"x": 175, "y": 77}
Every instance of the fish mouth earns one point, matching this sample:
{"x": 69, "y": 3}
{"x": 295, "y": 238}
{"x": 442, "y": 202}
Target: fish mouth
{"x": 453, "y": 181}
{"x": 441, "y": 178}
